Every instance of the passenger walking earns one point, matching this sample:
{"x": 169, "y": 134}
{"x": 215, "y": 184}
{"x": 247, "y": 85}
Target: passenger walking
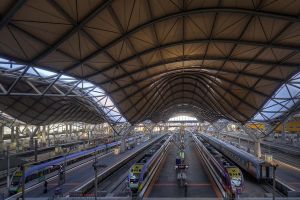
{"x": 45, "y": 187}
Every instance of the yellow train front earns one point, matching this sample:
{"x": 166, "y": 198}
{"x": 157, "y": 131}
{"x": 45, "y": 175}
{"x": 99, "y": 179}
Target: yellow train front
{"x": 134, "y": 177}
{"x": 230, "y": 175}
{"x": 234, "y": 180}
{"x": 15, "y": 182}
{"x": 139, "y": 171}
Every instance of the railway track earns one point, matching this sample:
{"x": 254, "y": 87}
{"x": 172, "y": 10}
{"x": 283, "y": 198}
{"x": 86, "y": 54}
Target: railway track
{"x": 120, "y": 188}
{"x": 269, "y": 189}
{"x": 2, "y": 184}
{"x": 287, "y": 159}
{"x": 115, "y": 184}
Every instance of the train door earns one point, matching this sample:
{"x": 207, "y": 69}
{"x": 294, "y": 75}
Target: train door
{"x": 41, "y": 176}
{"x": 252, "y": 169}
{"x": 262, "y": 172}
{"x": 267, "y": 170}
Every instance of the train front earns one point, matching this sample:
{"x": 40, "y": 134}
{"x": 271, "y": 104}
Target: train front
{"x": 236, "y": 184}
{"x": 134, "y": 177}
{"x": 15, "y": 182}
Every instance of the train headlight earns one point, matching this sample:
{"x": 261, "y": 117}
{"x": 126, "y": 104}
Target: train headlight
{"x": 235, "y": 182}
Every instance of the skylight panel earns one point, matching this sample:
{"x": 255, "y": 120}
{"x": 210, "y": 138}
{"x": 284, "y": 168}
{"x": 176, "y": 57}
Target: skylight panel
{"x": 283, "y": 100}
{"x": 45, "y": 73}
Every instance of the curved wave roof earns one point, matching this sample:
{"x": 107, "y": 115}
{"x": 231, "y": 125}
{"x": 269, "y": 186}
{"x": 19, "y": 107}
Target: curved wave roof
{"x": 42, "y": 97}
{"x": 226, "y": 58}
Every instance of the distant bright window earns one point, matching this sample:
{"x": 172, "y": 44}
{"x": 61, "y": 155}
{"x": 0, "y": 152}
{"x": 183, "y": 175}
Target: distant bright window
{"x": 182, "y": 118}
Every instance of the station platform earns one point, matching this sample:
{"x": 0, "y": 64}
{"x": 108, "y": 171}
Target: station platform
{"x": 199, "y": 183}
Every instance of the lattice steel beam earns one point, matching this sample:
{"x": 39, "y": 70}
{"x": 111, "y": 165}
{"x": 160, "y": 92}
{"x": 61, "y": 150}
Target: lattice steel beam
{"x": 16, "y": 5}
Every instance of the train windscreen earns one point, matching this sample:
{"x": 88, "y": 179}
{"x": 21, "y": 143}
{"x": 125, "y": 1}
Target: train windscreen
{"x": 134, "y": 179}
{"x": 15, "y": 180}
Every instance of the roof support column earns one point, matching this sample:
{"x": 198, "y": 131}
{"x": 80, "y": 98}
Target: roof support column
{"x": 109, "y": 130}
{"x": 17, "y": 139}
{"x": 43, "y": 139}
{"x": 89, "y": 133}
{"x": 31, "y": 142}
{"x": 54, "y": 137}
{"x": 2, "y": 138}
{"x": 68, "y": 132}
{"x": 149, "y": 128}
{"x": 78, "y": 133}
{"x": 12, "y": 135}
{"x": 256, "y": 139}
{"x": 257, "y": 149}
{"x": 47, "y": 130}
{"x": 166, "y": 128}
{"x": 219, "y": 126}
{"x": 124, "y": 133}
{"x": 199, "y": 128}
{"x": 217, "y": 130}
{"x": 283, "y": 126}
{"x": 70, "y": 128}
{"x": 31, "y": 137}
{"x": 123, "y": 144}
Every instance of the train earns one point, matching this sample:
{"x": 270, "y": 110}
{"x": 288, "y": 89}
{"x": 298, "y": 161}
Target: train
{"x": 140, "y": 170}
{"x": 228, "y": 174}
{"x": 40, "y": 169}
{"x": 256, "y": 167}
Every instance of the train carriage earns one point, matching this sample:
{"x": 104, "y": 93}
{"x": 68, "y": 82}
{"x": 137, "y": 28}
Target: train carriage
{"x": 35, "y": 170}
{"x": 139, "y": 171}
{"x": 256, "y": 167}
{"x": 228, "y": 174}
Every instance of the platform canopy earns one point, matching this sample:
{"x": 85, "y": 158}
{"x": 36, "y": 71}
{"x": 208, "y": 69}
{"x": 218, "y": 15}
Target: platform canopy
{"x": 214, "y": 58}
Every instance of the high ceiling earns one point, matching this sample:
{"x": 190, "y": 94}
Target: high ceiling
{"x": 225, "y": 58}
